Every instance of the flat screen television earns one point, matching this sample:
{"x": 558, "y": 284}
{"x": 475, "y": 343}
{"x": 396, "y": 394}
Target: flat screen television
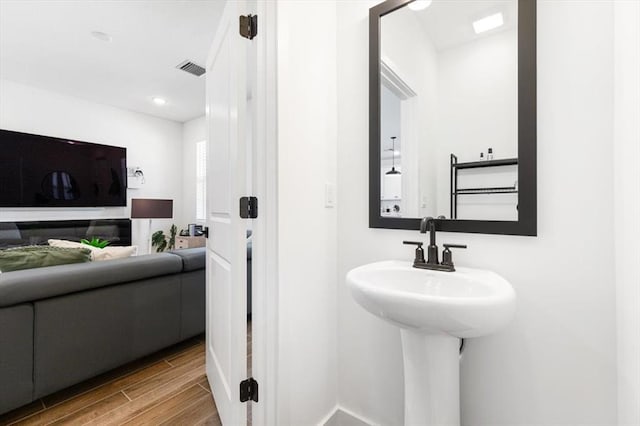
{"x": 42, "y": 171}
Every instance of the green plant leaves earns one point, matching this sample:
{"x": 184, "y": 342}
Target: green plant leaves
{"x": 162, "y": 242}
{"x": 172, "y": 236}
{"x": 159, "y": 240}
{"x": 95, "y": 242}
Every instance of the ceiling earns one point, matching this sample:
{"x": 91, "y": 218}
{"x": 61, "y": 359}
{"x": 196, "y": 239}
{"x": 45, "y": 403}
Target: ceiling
{"x": 48, "y": 44}
{"x": 449, "y": 23}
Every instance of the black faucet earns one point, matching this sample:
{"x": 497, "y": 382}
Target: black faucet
{"x": 428, "y": 223}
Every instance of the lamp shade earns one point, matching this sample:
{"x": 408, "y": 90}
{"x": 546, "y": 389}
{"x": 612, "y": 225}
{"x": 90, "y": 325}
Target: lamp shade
{"x": 149, "y": 208}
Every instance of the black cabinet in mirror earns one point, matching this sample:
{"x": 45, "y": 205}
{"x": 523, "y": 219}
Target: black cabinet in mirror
{"x": 452, "y": 115}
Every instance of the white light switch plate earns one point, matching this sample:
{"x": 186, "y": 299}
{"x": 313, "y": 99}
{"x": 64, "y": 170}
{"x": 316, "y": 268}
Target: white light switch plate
{"x": 329, "y": 195}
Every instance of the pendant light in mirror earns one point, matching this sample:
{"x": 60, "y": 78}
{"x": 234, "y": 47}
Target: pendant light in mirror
{"x": 393, "y": 170}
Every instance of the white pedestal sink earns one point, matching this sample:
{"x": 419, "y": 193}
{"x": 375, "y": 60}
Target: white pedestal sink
{"x": 433, "y": 310}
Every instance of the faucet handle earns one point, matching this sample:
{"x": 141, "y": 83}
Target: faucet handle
{"x": 448, "y": 246}
{"x": 447, "y": 258}
{"x": 419, "y": 251}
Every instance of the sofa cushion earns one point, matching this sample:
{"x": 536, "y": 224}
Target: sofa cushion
{"x": 36, "y": 284}
{"x": 193, "y": 259}
{"x": 110, "y": 253}
{"x": 14, "y": 259}
{"x": 97, "y": 253}
{"x": 192, "y": 300}
{"x": 16, "y": 357}
{"x": 81, "y": 335}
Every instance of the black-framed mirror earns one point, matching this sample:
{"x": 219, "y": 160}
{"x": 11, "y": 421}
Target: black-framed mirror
{"x": 452, "y": 115}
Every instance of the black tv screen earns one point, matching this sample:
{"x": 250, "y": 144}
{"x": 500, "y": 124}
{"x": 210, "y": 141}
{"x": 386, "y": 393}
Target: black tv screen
{"x": 42, "y": 171}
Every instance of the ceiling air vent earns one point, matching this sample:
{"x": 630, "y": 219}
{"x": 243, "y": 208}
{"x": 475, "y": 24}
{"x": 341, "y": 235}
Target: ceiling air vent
{"x": 191, "y": 68}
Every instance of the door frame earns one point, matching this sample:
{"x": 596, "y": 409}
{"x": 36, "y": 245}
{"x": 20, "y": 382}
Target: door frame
{"x": 265, "y": 356}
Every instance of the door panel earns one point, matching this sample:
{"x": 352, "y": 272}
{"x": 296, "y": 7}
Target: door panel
{"x": 219, "y": 299}
{"x": 226, "y": 246}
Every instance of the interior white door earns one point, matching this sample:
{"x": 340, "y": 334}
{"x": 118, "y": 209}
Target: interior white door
{"x": 227, "y": 119}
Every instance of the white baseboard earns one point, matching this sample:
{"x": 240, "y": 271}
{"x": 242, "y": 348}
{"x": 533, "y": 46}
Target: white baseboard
{"x": 341, "y": 416}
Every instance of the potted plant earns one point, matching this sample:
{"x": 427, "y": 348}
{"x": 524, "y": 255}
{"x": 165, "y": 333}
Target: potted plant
{"x": 162, "y": 242}
{"x": 95, "y": 242}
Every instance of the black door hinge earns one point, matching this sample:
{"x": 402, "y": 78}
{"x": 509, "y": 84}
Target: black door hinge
{"x": 205, "y": 232}
{"x": 249, "y": 390}
{"x": 249, "y": 26}
{"x": 248, "y": 207}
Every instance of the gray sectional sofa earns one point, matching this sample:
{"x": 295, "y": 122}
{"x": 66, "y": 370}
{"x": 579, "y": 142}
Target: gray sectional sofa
{"x": 61, "y": 325}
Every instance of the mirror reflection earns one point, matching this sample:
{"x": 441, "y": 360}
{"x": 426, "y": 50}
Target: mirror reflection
{"x": 449, "y": 110}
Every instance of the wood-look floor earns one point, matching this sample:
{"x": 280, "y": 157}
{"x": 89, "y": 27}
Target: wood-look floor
{"x": 167, "y": 388}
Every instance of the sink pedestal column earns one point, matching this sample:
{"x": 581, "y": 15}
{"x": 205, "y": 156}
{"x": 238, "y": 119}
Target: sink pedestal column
{"x": 431, "y": 379}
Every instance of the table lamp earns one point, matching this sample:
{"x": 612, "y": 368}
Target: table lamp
{"x": 150, "y": 208}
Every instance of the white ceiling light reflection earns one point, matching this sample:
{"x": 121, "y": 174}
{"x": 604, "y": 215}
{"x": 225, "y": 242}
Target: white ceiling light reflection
{"x": 419, "y": 4}
{"x": 488, "y": 23}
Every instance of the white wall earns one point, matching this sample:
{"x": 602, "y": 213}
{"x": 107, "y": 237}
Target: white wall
{"x": 152, "y": 143}
{"x": 627, "y": 207}
{"x": 556, "y": 363}
{"x": 306, "y": 96}
{"x": 478, "y": 86}
{"x": 193, "y": 132}
{"x": 408, "y": 50}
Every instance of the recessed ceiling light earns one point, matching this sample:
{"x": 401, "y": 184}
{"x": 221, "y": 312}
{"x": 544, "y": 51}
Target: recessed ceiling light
{"x": 158, "y": 101}
{"x": 101, "y": 36}
{"x": 488, "y": 23}
{"x": 419, "y": 4}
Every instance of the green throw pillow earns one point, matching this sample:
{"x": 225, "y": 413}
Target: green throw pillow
{"x": 15, "y": 259}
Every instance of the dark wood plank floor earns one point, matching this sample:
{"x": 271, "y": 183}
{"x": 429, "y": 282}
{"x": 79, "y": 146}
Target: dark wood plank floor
{"x": 167, "y": 388}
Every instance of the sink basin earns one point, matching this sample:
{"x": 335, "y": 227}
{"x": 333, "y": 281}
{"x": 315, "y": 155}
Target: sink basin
{"x": 434, "y": 310}
{"x": 465, "y": 303}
